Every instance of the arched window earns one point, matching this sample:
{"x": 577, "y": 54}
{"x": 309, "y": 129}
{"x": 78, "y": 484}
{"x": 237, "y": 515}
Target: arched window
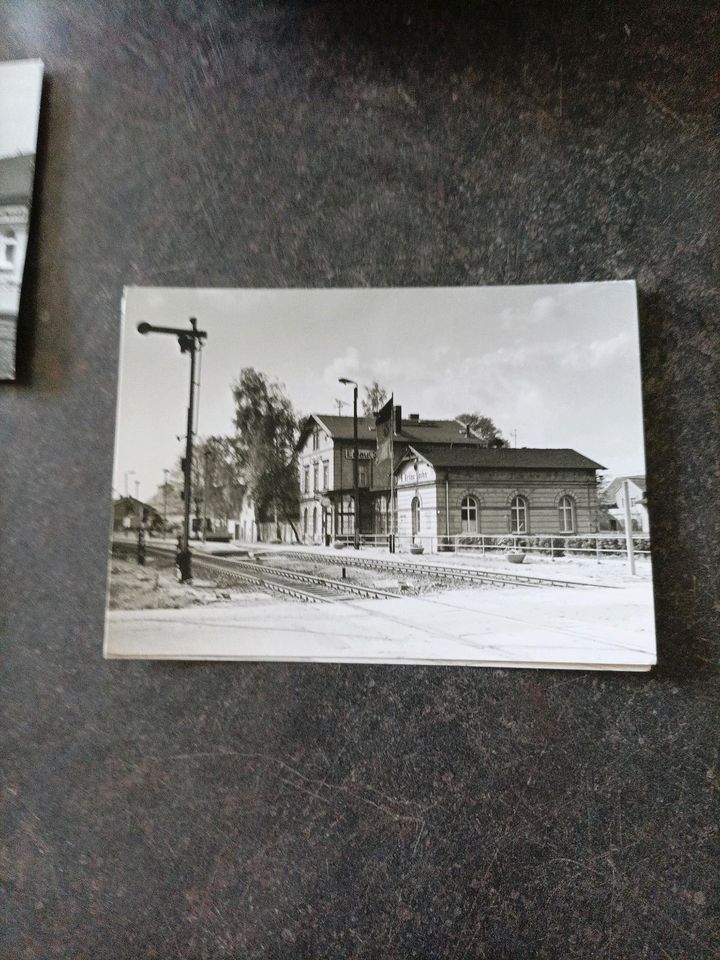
{"x": 305, "y": 521}
{"x": 469, "y": 515}
{"x": 315, "y": 522}
{"x": 415, "y": 513}
{"x": 518, "y": 515}
{"x": 566, "y": 514}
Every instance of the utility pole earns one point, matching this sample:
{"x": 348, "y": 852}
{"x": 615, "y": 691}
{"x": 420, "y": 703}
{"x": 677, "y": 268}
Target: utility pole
{"x": 391, "y": 538}
{"x": 205, "y": 511}
{"x": 165, "y": 493}
{"x": 190, "y": 342}
{"x": 356, "y": 458}
{"x": 138, "y": 505}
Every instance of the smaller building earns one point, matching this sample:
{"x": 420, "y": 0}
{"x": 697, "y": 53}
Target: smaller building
{"x": 244, "y": 527}
{"x": 613, "y": 500}
{"x": 446, "y": 490}
{"x": 131, "y": 514}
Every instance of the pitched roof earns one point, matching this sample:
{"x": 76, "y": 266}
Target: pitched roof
{"x": 122, "y": 504}
{"x": 413, "y": 431}
{"x": 523, "y": 458}
{"x": 436, "y": 431}
{"x": 609, "y": 494}
{"x": 341, "y": 428}
{"x": 16, "y": 178}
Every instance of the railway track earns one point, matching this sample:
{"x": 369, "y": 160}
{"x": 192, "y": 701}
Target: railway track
{"x": 278, "y": 576}
{"x": 438, "y": 571}
{"x": 314, "y": 589}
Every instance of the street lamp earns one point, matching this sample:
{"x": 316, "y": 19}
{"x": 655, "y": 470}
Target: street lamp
{"x": 190, "y": 342}
{"x": 356, "y": 475}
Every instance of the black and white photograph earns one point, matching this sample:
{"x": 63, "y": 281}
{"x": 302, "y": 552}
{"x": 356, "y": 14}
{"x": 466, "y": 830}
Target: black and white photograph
{"x": 420, "y": 475}
{"x": 20, "y": 89}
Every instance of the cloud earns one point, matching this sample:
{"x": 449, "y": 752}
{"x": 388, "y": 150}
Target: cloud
{"x": 543, "y": 309}
{"x": 346, "y": 365}
{"x": 601, "y": 351}
{"x": 597, "y": 353}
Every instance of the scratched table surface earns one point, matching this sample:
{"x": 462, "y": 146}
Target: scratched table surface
{"x": 287, "y": 810}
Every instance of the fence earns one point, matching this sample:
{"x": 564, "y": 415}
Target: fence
{"x": 596, "y": 545}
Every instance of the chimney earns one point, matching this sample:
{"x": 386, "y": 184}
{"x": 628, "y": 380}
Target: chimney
{"x": 415, "y": 417}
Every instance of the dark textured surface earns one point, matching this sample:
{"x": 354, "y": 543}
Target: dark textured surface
{"x": 206, "y": 811}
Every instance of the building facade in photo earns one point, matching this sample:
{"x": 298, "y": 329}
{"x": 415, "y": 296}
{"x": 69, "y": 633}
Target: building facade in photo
{"x": 16, "y": 181}
{"x": 325, "y": 464}
{"x": 450, "y": 491}
{"x": 447, "y": 482}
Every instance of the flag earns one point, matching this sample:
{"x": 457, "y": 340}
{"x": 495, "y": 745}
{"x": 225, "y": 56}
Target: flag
{"x": 384, "y": 430}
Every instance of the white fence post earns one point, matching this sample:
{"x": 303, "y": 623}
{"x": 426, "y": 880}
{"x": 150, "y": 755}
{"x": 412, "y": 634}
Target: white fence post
{"x": 628, "y": 528}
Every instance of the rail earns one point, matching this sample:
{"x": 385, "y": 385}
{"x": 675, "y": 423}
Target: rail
{"x": 441, "y": 571}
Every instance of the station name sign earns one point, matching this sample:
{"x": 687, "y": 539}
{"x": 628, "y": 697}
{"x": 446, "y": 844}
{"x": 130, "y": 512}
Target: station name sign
{"x": 362, "y": 454}
{"x": 412, "y": 475}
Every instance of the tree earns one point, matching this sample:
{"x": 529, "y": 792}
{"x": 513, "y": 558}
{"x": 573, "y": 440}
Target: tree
{"x": 375, "y": 397}
{"x": 483, "y": 428}
{"x": 221, "y": 483}
{"x": 266, "y": 431}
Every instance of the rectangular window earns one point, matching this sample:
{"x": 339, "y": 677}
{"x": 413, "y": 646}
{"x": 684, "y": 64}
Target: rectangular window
{"x": 306, "y": 480}
{"x": 326, "y": 475}
{"x": 316, "y": 477}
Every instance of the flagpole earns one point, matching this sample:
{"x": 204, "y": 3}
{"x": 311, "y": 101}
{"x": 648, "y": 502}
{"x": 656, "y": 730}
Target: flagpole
{"x": 391, "y": 538}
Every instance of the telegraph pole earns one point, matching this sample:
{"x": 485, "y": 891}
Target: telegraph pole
{"x": 190, "y": 342}
{"x": 165, "y": 493}
{"x": 205, "y": 510}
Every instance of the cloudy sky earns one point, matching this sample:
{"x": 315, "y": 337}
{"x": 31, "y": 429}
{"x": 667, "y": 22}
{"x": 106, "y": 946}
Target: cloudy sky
{"x": 20, "y": 84}
{"x": 558, "y": 364}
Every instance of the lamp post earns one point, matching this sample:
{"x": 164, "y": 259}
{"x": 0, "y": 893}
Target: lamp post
{"x": 190, "y": 342}
{"x": 356, "y": 474}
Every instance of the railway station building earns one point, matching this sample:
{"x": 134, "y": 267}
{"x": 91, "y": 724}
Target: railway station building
{"x": 325, "y": 463}
{"x": 450, "y": 491}
{"x": 448, "y": 482}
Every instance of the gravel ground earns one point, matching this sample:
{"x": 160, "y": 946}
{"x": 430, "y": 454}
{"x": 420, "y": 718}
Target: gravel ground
{"x": 154, "y": 587}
